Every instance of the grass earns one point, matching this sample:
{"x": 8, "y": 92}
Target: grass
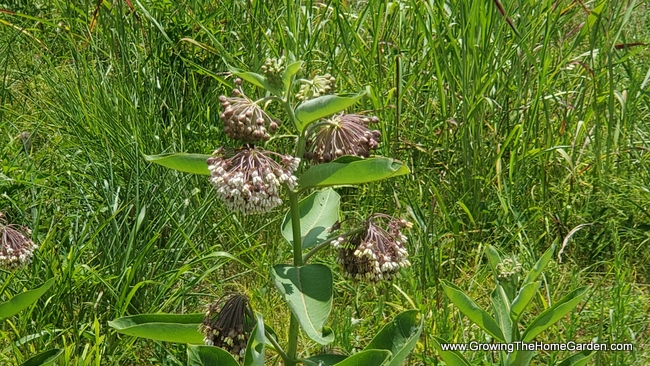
{"x": 514, "y": 139}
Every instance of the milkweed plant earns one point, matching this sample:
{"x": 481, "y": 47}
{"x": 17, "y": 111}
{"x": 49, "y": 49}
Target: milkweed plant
{"x": 332, "y": 148}
{"x": 513, "y": 293}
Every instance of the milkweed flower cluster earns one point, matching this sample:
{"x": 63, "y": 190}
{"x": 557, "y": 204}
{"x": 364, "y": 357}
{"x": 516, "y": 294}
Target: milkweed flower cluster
{"x": 374, "y": 253}
{"x": 250, "y": 180}
{"x": 16, "y": 248}
{"x": 228, "y": 326}
{"x": 273, "y": 69}
{"x": 244, "y": 120}
{"x": 508, "y": 269}
{"x": 345, "y": 134}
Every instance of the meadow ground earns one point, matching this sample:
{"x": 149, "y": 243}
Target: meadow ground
{"x": 521, "y": 129}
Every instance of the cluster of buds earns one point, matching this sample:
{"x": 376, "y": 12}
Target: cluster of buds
{"x": 345, "y": 134}
{"x": 508, "y": 270}
{"x": 228, "y": 326}
{"x": 374, "y": 253}
{"x": 244, "y": 120}
{"x": 250, "y": 180}
{"x": 319, "y": 85}
{"x": 273, "y": 69}
{"x": 16, "y": 248}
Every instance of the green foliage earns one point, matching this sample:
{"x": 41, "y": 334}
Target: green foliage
{"x": 308, "y": 290}
{"x": 254, "y": 355}
{"x": 477, "y": 315}
{"x": 452, "y": 358}
{"x": 179, "y": 328}
{"x": 23, "y": 300}
{"x": 323, "y": 106}
{"x": 351, "y": 171}
{"x": 399, "y": 336}
{"x": 579, "y": 359}
{"x": 513, "y": 139}
{"x": 188, "y": 163}
{"x": 378, "y": 357}
{"x": 318, "y": 213}
{"x": 208, "y": 355}
{"x": 506, "y": 328}
{"x": 257, "y": 80}
{"x": 324, "y": 360}
{"x": 44, "y": 358}
{"x": 551, "y": 315}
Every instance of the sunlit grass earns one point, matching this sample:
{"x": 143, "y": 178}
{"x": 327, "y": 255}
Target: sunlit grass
{"x": 513, "y": 140}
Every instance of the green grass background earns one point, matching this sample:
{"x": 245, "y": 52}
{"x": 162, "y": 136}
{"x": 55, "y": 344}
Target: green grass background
{"x": 513, "y": 137}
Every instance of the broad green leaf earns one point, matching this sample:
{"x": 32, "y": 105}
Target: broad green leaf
{"x": 318, "y": 212}
{"x": 468, "y": 307}
{"x": 257, "y": 80}
{"x": 353, "y": 172}
{"x": 23, "y": 300}
{"x": 252, "y": 77}
{"x": 374, "y": 357}
{"x": 493, "y": 258}
{"x": 580, "y": 359}
{"x": 324, "y": 360}
{"x": 522, "y": 300}
{"x": 289, "y": 72}
{"x": 308, "y": 290}
{"x": 177, "y": 328}
{"x": 399, "y": 336}
{"x": 184, "y": 162}
{"x": 501, "y": 308}
{"x": 323, "y": 106}
{"x": 538, "y": 268}
{"x": 451, "y": 358}
{"x": 44, "y": 358}
{"x": 518, "y": 358}
{"x": 254, "y": 355}
{"x": 509, "y": 288}
{"x": 209, "y": 356}
{"x": 554, "y": 313}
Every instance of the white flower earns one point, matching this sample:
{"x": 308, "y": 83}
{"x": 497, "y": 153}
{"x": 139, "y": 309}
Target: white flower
{"x": 16, "y": 248}
{"x": 375, "y": 253}
{"x": 250, "y": 180}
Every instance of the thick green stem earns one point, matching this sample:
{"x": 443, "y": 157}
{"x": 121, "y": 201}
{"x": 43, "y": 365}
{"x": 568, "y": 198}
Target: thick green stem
{"x": 300, "y": 148}
{"x": 294, "y": 328}
{"x": 277, "y": 347}
{"x": 295, "y": 223}
{"x": 292, "y": 349}
{"x": 326, "y": 243}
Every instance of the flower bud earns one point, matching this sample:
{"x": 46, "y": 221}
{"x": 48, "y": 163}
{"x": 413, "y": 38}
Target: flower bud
{"x": 228, "y": 324}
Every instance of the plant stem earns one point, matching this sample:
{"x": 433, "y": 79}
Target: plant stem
{"x": 277, "y": 347}
{"x": 324, "y": 244}
{"x": 294, "y": 328}
{"x": 292, "y": 349}
{"x": 295, "y": 223}
{"x": 317, "y": 248}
